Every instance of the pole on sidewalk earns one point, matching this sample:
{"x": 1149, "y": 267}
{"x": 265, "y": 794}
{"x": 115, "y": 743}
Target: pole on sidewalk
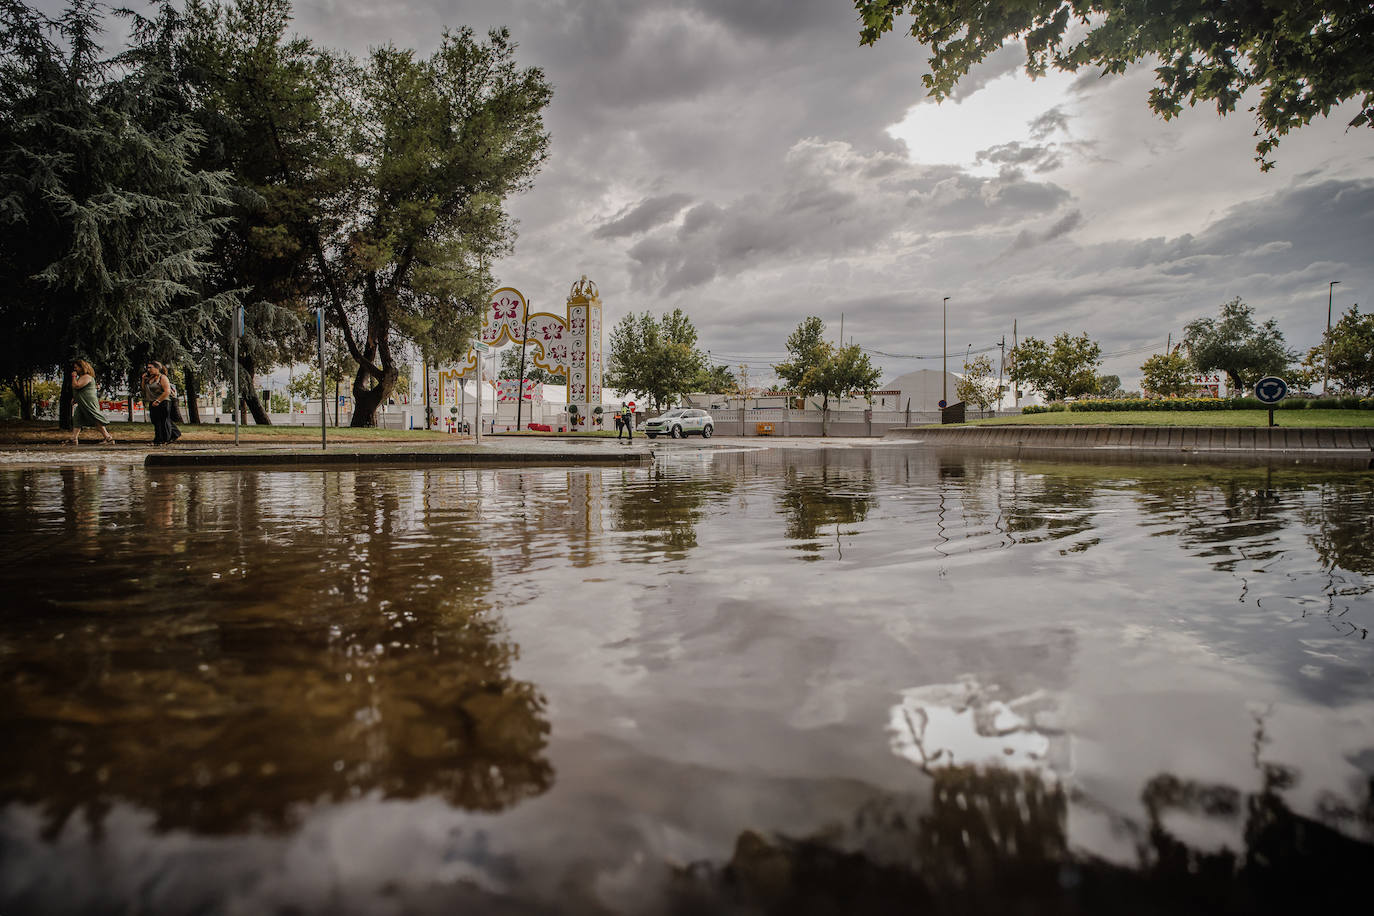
{"x": 235, "y": 331}
{"x": 477, "y": 427}
{"x": 319, "y": 330}
{"x": 520, "y": 376}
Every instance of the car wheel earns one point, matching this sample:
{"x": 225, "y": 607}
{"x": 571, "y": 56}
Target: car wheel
{"x": 706, "y": 432}
{"x": 677, "y": 432}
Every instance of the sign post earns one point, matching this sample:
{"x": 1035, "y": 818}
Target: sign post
{"x": 236, "y": 333}
{"x": 319, "y": 331}
{"x": 482, "y": 350}
{"x": 1270, "y": 390}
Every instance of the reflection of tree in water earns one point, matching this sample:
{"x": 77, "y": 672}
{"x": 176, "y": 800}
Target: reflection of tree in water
{"x": 1343, "y": 527}
{"x": 303, "y": 666}
{"x": 996, "y": 841}
{"x": 818, "y": 498}
{"x": 1229, "y": 518}
{"x": 664, "y": 509}
{"x": 1048, "y": 507}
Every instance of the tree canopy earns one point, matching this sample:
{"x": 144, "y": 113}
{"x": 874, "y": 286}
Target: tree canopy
{"x": 1233, "y": 343}
{"x": 1168, "y": 375}
{"x": 107, "y": 219}
{"x": 1350, "y": 366}
{"x": 1065, "y": 368}
{"x": 717, "y": 380}
{"x": 978, "y": 386}
{"x": 654, "y": 358}
{"x": 818, "y": 367}
{"x": 1303, "y": 58}
{"x": 510, "y": 368}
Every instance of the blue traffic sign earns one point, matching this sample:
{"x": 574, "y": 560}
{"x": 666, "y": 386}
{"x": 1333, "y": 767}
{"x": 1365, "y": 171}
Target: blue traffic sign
{"x": 1271, "y": 389}
{"x": 943, "y": 403}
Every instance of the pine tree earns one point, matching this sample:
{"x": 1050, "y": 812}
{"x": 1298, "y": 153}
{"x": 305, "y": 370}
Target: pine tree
{"x": 107, "y": 221}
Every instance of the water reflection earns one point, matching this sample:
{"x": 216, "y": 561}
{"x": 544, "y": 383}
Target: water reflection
{"x": 335, "y": 640}
{"x": 358, "y": 686}
{"x": 996, "y": 841}
{"x": 663, "y": 506}
{"x": 825, "y": 499}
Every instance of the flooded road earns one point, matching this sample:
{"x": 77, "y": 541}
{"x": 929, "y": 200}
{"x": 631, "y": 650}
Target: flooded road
{"x": 825, "y": 680}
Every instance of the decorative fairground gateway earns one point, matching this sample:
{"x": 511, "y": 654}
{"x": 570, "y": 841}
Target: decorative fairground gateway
{"x": 567, "y": 346}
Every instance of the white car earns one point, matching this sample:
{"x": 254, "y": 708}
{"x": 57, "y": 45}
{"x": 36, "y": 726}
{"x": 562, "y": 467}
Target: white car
{"x": 681, "y": 422}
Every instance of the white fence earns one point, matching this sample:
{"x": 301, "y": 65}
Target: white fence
{"x": 784, "y": 422}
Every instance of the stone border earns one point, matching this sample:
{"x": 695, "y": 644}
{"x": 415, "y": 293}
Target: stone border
{"x": 296, "y": 460}
{"x": 1156, "y": 439}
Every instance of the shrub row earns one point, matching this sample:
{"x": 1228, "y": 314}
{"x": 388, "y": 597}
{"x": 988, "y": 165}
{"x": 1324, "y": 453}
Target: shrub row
{"x": 1155, "y": 404}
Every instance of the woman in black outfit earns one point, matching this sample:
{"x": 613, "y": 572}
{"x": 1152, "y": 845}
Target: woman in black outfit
{"x": 157, "y": 389}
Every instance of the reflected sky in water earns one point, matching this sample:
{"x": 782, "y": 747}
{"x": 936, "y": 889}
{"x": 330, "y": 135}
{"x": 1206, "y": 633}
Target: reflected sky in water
{"x": 729, "y": 679}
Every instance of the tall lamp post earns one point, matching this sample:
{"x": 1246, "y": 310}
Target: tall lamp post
{"x": 1326, "y": 372}
{"x": 944, "y": 352}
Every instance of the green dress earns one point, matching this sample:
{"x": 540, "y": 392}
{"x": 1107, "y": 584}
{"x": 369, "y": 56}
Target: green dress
{"x": 87, "y": 408}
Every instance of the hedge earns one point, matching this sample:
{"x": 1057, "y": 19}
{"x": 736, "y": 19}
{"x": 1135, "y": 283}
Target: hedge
{"x": 1157, "y": 404}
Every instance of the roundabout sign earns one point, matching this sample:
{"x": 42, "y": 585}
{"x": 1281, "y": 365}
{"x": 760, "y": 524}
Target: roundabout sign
{"x": 1270, "y": 390}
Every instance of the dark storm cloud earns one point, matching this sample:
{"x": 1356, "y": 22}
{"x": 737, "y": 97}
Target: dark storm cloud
{"x": 1028, "y": 238}
{"x": 643, "y": 216}
{"x": 826, "y": 203}
{"x": 1054, "y": 119}
{"x": 1014, "y": 153}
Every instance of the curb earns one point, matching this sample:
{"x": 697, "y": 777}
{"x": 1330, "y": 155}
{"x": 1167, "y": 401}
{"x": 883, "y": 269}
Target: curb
{"x": 220, "y": 460}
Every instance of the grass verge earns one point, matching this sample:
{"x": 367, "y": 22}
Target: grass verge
{"x": 1291, "y": 418}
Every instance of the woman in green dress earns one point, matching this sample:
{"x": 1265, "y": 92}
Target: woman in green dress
{"x": 86, "y": 407}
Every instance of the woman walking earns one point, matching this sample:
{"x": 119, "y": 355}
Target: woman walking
{"x": 157, "y": 388}
{"x": 86, "y": 407}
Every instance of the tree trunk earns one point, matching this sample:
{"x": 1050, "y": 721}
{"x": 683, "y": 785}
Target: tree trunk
{"x": 192, "y": 395}
{"x": 825, "y": 415}
{"x": 260, "y": 416}
{"x": 23, "y": 393}
{"x": 250, "y": 397}
{"x": 64, "y": 403}
{"x": 133, "y": 386}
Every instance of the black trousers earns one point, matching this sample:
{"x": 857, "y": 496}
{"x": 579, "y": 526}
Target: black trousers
{"x": 164, "y": 430}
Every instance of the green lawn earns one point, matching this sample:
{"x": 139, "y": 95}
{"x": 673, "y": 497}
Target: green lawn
{"x": 1185, "y": 418}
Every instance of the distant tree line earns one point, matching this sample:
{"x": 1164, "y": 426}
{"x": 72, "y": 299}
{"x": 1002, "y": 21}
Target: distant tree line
{"x": 1234, "y": 343}
{"x": 218, "y": 161}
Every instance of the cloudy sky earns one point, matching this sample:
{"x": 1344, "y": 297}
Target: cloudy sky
{"x": 748, "y": 161}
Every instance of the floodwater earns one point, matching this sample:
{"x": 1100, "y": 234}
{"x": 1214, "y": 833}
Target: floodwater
{"x": 839, "y": 680}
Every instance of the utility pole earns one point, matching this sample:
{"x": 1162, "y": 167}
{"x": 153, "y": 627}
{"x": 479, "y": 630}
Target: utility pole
{"x": 1326, "y": 372}
{"x": 520, "y": 380}
{"x": 429, "y": 412}
{"x": 1015, "y": 392}
{"x": 842, "y": 329}
{"x": 477, "y": 427}
{"x": 944, "y": 352}
{"x": 1001, "y": 361}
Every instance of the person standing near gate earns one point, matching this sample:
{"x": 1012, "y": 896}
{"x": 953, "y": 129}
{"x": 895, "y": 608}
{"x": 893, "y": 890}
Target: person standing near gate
{"x": 627, "y": 415}
{"x": 619, "y": 425}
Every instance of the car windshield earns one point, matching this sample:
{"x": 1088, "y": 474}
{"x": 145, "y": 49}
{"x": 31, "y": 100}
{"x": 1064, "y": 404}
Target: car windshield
{"x": 672, "y": 413}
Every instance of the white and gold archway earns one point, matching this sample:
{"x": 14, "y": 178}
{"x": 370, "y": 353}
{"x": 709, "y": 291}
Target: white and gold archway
{"x": 568, "y": 346}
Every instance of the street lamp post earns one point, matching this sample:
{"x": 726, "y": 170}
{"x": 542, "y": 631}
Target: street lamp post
{"x": 944, "y": 352}
{"x": 1326, "y": 372}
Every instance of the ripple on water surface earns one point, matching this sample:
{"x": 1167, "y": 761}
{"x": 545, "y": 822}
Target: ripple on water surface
{"x": 748, "y": 680}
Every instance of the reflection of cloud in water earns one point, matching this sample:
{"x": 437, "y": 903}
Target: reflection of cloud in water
{"x": 948, "y": 725}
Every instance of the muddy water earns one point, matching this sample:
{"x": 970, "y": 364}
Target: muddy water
{"x": 838, "y": 680}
